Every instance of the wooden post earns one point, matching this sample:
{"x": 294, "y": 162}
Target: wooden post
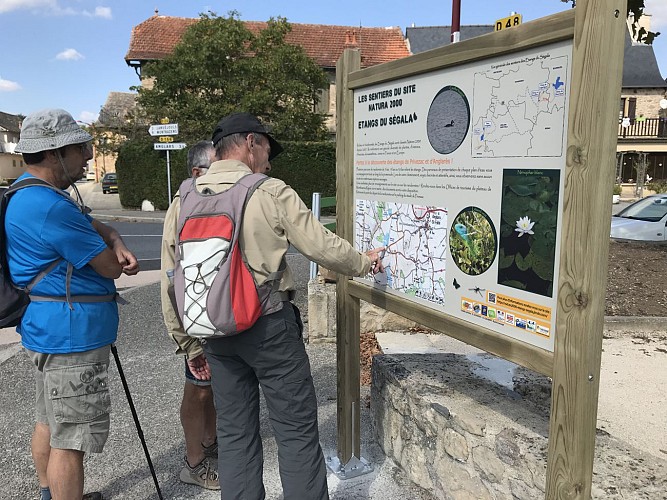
{"x": 347, "y": 307}
{"x": 589, "y": 176}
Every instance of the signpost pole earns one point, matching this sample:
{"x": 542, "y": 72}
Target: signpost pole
{"x": 164, "y": 131}
{"x": 168, "y": 177}
{"x": 600, "y": 27}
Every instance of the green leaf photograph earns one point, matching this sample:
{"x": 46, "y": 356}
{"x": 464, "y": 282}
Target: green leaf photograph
{"x": 529, "y": 215}
{"x": 473, "y": 241}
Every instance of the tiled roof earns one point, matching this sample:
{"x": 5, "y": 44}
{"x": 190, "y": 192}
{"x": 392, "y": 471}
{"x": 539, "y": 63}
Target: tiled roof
{"x": 11, "y": 123}
{"x": 117, "y": 109}
{"x": 640, "y": 68}
{"x": 156, "y": 38}
{"x": 423, "y": 38}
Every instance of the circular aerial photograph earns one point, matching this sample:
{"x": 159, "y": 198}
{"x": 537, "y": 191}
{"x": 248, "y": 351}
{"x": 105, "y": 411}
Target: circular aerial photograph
{"x": 448, "y": 120}
{"x": 473, "y": 241}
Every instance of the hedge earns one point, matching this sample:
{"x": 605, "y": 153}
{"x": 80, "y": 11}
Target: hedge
{"x": 142, "y": 174}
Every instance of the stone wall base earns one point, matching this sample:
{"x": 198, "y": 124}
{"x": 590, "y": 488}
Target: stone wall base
{"x": 462, "y": 436}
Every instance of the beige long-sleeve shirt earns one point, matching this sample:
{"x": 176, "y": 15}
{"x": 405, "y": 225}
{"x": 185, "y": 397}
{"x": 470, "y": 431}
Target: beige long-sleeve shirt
{"x": 275, "y": 217}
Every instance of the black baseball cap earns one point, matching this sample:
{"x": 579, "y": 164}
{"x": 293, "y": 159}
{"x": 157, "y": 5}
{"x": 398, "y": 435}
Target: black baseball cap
{"x": 238, "y": 123}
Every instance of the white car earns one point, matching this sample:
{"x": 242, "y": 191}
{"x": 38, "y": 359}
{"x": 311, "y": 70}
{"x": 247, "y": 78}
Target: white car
{"x": 644, "y": 220}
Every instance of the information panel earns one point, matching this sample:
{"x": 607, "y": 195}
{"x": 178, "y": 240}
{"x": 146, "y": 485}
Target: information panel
{"x": 458, "y": 172}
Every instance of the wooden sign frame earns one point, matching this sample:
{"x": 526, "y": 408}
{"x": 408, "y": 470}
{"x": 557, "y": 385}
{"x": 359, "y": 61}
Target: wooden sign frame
{"x": 597, "y": 29}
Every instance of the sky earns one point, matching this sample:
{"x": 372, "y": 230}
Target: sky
{"x": 70, "y": 53}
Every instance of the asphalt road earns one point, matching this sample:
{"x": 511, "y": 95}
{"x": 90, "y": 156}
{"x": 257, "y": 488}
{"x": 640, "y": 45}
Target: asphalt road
{"x": 144, "y": 239}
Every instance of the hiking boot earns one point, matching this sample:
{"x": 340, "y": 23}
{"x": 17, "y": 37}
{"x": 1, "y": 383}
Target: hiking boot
{"x": 93, "y": 495}
{"x": 203, "y": 475}
{"x": 211, "y": 451}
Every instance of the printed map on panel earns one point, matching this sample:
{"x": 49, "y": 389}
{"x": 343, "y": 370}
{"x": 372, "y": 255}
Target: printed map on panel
{"x": 416, "y": 240}
{"x": 519, "y": 108}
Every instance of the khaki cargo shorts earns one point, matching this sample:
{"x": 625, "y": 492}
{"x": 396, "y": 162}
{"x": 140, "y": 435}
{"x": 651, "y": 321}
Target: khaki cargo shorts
{"x": 72, "y": 398}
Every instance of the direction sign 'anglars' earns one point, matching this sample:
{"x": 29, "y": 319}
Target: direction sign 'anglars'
{"x": 169, "y": 145}
{"x": 167, "y": 129}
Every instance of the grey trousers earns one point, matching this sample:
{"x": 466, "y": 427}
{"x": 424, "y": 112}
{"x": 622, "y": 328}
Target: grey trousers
{"x": 271, "y": 354}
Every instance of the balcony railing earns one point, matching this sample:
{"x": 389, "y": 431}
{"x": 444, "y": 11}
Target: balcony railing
{"x": 647, "y": 128}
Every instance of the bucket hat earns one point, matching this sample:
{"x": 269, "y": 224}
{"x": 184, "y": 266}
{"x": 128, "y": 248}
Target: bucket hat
{"x": 50, "y": 129}
{"x": 237, "y": 123}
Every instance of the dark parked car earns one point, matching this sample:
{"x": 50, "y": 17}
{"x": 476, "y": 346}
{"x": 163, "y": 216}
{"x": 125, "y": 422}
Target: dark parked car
{"x": 109, "y": 183}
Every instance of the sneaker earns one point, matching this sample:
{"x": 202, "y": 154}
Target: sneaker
{"x": 203, "y": 475}
{"x": 211, "y": 451}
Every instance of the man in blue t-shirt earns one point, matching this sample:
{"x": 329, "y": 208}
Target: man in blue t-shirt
{"x": 72, "y": 319}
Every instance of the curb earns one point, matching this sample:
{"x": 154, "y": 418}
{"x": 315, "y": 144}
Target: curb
{"x": 127, "y": 218}
{"x": 643, "y": 326}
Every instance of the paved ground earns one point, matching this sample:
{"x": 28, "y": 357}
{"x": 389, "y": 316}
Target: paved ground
{"x": 155, "y": 378}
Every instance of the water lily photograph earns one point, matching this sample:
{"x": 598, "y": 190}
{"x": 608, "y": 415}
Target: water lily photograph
{"x": 473, "y": 241}
{"x": 529, "y": 216}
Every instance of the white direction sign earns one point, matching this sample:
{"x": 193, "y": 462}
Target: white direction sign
{"x": 166, "y": 129}
{"x": 169, "y": 145}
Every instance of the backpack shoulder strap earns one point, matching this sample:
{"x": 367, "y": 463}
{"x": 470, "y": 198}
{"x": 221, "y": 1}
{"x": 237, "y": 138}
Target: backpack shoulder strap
{"x": 251, "y": 182}
{"x": 23, "y": 183}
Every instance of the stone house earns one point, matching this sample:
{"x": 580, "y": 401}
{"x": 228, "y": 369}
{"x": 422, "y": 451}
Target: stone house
{"x": 116, "y": 112}
{"x": 642, "y": 124}
{"x": 11, "y": 163}
{"x": 156, "y": 38}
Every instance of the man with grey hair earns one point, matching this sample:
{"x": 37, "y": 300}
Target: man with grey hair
{"x": 200, "y": 157}
{"x": 72, "y": 318}
{"x": 197, "y": 411}
{"x": 271, "y": 353}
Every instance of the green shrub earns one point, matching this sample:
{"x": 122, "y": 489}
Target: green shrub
{"x": 142, "y": 172}
{"x": 658, "y": 187}
{"x": 308, "y": 167}
{"x": 617, "y": 189}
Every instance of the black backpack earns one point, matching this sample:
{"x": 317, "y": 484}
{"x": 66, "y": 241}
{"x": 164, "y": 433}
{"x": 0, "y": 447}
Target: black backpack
{"x": 14, "y": 300}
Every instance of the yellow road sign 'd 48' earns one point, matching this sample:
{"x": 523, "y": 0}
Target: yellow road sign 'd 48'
{"x": 508, "y": 22}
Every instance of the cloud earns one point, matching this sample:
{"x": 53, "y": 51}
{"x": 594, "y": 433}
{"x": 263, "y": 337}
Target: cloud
{"x": 104, "y": 12}
{"x": 658, "y": 11}
{"x": 8, "y": 86}
{"x": 69, "y": 55}
{"x": 52, "y": 7}
{"x": 10, "y": 5}
{"x": 88, "y": 117}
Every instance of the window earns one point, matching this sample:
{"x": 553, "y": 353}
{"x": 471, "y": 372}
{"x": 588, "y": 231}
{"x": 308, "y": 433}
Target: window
{"x": 632, "y": 108}
{"x": 323, "y": 104}
{"x": 621, "y": 113}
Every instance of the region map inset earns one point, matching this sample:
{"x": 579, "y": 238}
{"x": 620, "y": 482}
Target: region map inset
{"x": 519, "y": 108}
{"x": 416, "y": 240}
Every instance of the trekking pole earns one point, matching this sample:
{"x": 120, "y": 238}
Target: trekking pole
{"x": 136, "y": 419}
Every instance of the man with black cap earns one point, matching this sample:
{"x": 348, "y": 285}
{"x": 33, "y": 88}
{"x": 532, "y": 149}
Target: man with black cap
{"x": 271, "y": 353}
{"x": 72, "y": 318}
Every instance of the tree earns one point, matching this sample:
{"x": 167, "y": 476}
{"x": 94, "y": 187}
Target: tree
{"x": 636, "y": 10}
{"x": 220, "y": 66}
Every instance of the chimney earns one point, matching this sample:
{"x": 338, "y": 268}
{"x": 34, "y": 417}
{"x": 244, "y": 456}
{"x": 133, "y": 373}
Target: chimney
{"x": 351, "y": 39}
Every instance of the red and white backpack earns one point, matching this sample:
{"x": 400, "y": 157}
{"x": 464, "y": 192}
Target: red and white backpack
{"x": 216, "y": 294}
